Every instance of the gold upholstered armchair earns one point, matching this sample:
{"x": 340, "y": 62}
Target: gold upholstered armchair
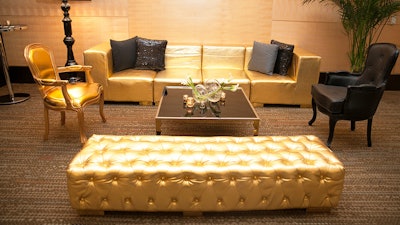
{"x": 61, "y": 95}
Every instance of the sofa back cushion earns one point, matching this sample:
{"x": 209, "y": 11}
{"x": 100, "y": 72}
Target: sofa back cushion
{"x": 223, "y": 57}
{"x": 183, "y": 56}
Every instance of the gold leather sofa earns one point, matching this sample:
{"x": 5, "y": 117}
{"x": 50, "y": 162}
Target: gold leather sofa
{"x": 200, "y": 174}
{"x": 203, "y": 62}
{"x": 292, "y": 89}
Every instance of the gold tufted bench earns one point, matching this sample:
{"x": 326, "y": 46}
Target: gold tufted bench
{"x": 198, "y": 174}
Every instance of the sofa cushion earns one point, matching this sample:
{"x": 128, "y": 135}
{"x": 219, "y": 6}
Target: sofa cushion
{"x": 263, "y": 57}
{"x": 150, "y": 54}
{"x": 284, "y": 58}
{"x": 123, "y": 54}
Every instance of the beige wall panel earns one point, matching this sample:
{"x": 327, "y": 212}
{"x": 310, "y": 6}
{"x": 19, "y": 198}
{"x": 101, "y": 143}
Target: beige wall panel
{"x": 204, "y": 22}
{"x": 324, "y": 39}
{"x": 92, "y": 22}
{"x": 290, "y": 10}
{"x": 93, "y": 8}
{"x": 314, "y": 26}
{"x": 317, "y": 27}
{"x": 90, "y": 31}
{"x": 50, "y": 31}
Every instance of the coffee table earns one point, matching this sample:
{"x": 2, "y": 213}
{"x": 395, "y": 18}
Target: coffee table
{"x": 236, "y": 107}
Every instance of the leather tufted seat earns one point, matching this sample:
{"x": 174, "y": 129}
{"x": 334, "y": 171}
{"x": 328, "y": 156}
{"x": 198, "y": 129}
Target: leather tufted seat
{"x": 196, "y": 174}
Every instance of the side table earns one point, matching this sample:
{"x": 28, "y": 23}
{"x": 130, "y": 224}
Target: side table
{"x": 11, "y": 98}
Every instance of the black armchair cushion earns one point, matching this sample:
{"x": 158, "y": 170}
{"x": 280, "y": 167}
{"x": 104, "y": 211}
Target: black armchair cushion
{"x": 329, "y": 97}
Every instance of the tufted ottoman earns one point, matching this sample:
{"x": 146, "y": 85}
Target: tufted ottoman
{"x": 198, "y": 174}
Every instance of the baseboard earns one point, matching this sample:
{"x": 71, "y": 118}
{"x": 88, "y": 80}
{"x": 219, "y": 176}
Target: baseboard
{"x": 21, "y": 74}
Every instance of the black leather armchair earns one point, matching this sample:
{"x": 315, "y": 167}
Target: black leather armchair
{"x": 355, "y": 97}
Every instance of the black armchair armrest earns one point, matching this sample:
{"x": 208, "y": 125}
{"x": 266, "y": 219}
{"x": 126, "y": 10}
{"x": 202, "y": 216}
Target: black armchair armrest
{"x": 342, "y": 78}
{"x": 362, "y": 100}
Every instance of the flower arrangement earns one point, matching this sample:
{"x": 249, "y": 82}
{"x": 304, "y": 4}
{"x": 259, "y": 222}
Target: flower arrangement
{"x": 211, "y": 90}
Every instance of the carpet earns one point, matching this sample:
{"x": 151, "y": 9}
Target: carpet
{"x": 33, "y": 172}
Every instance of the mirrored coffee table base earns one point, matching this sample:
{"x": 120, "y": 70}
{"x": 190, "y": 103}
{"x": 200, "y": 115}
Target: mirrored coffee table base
{"x": 236, "y": 107}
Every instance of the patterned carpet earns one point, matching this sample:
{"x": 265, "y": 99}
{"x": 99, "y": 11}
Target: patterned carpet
{"x": 33, "y": 179}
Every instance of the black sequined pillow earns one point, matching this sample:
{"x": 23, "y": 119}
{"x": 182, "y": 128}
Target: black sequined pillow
{"x": 150, "y": 54}
{"x": 284, "y": 58}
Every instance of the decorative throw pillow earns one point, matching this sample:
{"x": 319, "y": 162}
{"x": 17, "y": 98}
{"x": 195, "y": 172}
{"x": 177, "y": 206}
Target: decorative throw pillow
{"x": 123, "y": 54}
{"x": 284, "y": 58}
{"x": 150, "y": 54}
{"x": 263, "y": 57}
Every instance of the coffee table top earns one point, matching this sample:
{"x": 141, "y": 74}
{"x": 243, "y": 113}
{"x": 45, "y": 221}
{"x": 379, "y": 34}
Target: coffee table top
{"x": 235, "y": 107}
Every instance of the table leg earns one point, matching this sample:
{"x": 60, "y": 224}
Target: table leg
{"x": 256, "y": 125}
{"x": 158, "y": 126}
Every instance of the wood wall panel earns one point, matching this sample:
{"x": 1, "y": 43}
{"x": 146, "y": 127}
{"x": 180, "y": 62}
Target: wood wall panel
{"x": 315, "y": 27}
{"x": 325, "y": 39}
{"x": 204, "y": 22}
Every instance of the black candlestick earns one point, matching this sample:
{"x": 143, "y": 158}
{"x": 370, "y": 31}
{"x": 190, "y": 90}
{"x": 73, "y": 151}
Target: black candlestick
{"x": 68, "y": 40}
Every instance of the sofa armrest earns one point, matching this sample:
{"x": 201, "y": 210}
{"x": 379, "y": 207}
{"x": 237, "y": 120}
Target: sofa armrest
{"x": 305, "y": 70}
{"x": 100, "y": 58}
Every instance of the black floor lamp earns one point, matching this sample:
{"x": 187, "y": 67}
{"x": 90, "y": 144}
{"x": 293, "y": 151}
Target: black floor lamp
{"x": 68, "y": 40}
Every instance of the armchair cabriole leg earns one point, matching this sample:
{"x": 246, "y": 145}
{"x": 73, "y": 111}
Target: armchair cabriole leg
{"x": 353, "y": 125}
{"x": 332, "y": 124}
{"x": 46, "y": 123}
{"x": 314, "y": 108}
{"x": 101, "y": 108}
{"x": 369, "y": 127}
{"x": 62, "y": 118}
{"x": 81, "y": 122}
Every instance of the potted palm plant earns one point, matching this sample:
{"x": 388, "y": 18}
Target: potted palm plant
{"x": 363, "y": 22}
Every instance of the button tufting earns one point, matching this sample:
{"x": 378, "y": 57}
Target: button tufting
{"x": 264, "y": 200}
{"x": 247, "y": 180}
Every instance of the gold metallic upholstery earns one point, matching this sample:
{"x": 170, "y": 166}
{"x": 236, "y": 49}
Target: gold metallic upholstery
{"x": 124, "y": 86}
{"x": 181, "y": 61}
{"x": 202, "y": 63}
{"x": 196, "y": 174}
{"x": 292, "y": 89}
{"x": 60, "y": 95}
{"x": 225, "y": 62}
